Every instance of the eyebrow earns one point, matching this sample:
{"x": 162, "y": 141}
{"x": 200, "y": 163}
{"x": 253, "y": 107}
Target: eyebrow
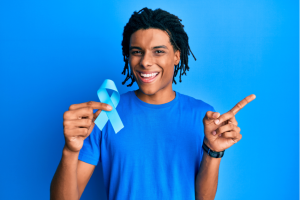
{"x": 156, "y": 47}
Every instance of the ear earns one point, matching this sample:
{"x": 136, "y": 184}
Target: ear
{"x": 176, "y": 57}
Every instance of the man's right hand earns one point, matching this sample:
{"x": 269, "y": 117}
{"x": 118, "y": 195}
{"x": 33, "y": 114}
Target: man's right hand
{"x": 79, "y": 123}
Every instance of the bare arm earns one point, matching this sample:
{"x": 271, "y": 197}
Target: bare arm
{"x": 221, "y": 132}
{"x": 207, "y": 178}
{"x": 71, "y": 177}
{"x": 64, "y": 183}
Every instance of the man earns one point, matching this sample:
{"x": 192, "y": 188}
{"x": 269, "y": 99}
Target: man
{"x": 158, "y": 154}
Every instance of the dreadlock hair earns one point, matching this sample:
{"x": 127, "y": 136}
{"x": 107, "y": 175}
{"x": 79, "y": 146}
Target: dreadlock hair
{"x": 160, "y": 19}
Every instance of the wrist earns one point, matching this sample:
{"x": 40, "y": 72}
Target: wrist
{"x": 212, "y": 153}
{"x": 208, "y": 158}
{"x": 207, "y": 143}
{"x": 68, "y": 153}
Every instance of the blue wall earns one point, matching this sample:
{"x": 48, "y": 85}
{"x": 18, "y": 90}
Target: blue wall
{"x": 57, "y": 53}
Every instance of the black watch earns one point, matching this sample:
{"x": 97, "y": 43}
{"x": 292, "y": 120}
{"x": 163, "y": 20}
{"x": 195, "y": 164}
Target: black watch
{"x": 211, "y": 153}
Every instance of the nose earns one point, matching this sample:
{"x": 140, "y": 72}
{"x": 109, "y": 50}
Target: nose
{"x": 146, "y": 60}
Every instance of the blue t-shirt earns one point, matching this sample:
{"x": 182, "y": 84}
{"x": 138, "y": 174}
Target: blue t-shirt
{"x": 158, "y": 152}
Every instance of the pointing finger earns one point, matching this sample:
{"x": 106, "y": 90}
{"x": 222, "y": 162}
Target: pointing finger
{"x": 91, "y": 104}
{"x": 242, "y": 103}
{"x": 225, "y": 117}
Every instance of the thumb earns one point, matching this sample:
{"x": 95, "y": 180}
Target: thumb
{"x": 90, "y": 129}
{"x": 215, "y": 115}
{"x": 210, "y": 116}
{"x": 96, "y": 115}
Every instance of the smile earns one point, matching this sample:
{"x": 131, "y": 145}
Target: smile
{"x": 147, "y": 77}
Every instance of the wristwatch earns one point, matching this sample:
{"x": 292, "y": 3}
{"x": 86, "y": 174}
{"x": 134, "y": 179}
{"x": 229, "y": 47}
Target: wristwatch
{"x": 211, "y": 153}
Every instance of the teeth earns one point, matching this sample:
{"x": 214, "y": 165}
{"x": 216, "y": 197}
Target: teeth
{"x": 148, "y": 75}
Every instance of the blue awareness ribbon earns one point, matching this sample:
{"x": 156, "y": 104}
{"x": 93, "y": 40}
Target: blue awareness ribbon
{"x": 113, "y": 101}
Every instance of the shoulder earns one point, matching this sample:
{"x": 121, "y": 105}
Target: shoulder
{"x": 126, "y": 96}
{"x": 126, "y": 100}
{"x": 191, "y": 102}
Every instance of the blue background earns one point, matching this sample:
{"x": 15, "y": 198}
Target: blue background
{"x": 57, "y": 53}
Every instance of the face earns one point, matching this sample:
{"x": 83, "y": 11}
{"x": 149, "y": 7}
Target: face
{"x": 152, "y": 59}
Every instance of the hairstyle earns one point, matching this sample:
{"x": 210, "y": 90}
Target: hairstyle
{"x": 160, "y": 19}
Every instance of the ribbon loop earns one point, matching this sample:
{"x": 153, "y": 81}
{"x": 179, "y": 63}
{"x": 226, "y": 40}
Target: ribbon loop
{"x": 113, "y": 101}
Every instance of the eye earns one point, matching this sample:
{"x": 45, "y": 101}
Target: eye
{"x": 136, "y": 52}
{"x": 159, "y": 51}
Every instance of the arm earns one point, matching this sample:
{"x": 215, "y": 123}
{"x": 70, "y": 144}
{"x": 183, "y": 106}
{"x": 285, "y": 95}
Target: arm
{"x": 207, "y": 178}
{"x": 71, "y": 177}
{"x": 221, "y": 132}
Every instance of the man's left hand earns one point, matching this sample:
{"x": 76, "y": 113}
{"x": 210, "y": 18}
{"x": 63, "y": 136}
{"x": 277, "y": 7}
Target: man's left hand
{"x": 221, "y": 132}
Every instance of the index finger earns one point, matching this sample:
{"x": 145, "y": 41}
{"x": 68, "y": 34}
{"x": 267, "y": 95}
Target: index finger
{"x": 242, "y": 103}
{"x": 91, "y": 104}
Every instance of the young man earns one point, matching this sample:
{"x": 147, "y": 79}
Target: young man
{"x": 158, "y": 154}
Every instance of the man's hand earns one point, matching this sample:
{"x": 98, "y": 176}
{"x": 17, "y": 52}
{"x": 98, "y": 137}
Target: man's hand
{"x": 221, "y": 132}
{"x": 79, "y": 123}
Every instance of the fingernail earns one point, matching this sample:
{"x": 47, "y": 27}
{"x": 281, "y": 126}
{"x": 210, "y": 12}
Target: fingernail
{"x": 215, "y": 115}
{"x": 214, "y": 132}
{"x": 217, "y": 121}
{"x": 109, "y": 107}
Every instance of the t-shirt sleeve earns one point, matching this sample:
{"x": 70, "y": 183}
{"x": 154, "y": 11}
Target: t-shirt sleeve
{"x": 90, "y": 150}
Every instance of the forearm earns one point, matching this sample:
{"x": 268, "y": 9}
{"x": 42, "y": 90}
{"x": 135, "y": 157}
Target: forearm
{"x": 207, "y": 178}
{"x": 64, "y": 182}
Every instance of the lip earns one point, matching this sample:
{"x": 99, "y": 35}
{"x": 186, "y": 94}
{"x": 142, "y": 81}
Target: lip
{"x": 148, "y": 72}
{"x": 147, "y": 80}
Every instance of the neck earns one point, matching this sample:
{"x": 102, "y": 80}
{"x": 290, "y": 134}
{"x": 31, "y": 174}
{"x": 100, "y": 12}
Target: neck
{"x": 160, "y": 97}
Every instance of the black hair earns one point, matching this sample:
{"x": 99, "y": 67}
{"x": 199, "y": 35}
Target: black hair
{"x": 147, "y": 18}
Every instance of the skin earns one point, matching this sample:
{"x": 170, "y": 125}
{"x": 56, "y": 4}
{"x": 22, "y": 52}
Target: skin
{"x": 150, "y": 50}
{"x": 72, "y": 175}
{"x": 221, "y": 132}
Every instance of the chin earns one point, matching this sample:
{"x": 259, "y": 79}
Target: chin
{"x": 148, "y": 91}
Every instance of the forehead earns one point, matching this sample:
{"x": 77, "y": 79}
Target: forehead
{"x": 149, "y": 38}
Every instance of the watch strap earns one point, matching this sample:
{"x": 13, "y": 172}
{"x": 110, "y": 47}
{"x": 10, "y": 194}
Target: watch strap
{"x": 211, "y": 153}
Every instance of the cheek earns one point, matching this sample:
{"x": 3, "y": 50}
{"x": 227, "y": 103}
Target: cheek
{"x": 167, "y": 67}
{"x": 134, "y": 60}
{"x": 131, "y": 61}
